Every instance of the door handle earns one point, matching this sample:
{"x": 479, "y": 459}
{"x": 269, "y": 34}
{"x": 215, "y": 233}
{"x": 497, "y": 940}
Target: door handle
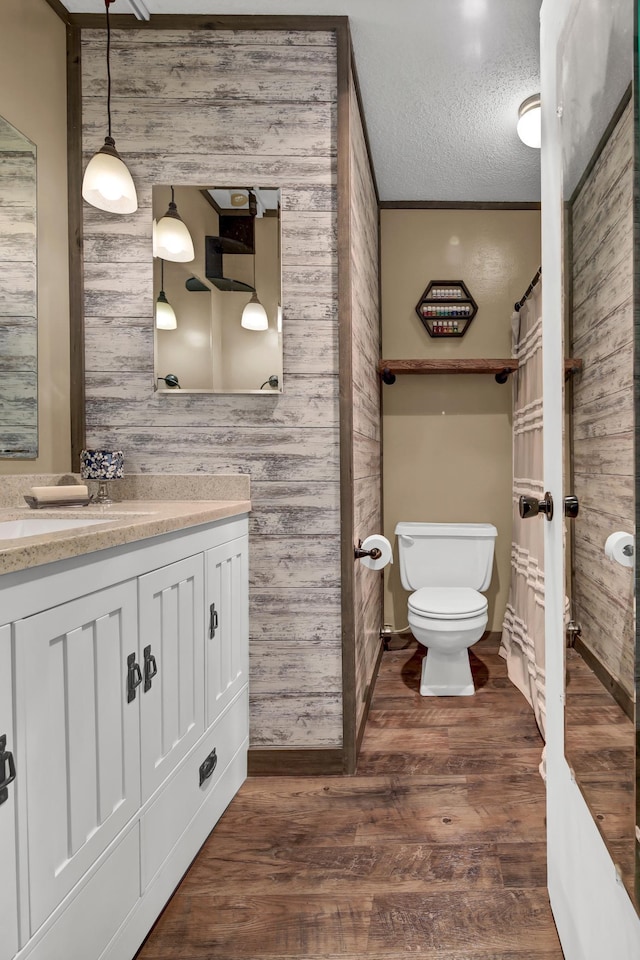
{"x": 571, "y": 507}
{"x": 531, "y": 507}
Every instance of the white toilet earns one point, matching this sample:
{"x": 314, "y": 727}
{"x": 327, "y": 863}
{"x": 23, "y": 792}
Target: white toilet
{"x": 446, "y": 565}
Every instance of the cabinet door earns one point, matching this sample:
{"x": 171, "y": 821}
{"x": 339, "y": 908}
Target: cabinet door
{"x": 80, "y": 736}
{"x": 8, "y": 875}
{"x": 227, "y": 650}
{"x": 171, "y": 611}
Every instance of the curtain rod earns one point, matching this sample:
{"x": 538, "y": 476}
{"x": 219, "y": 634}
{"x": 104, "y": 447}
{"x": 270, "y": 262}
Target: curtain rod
{"x": 528, "y": 291}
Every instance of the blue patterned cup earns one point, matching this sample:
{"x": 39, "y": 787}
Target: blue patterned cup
{"x": 102, "y": 464}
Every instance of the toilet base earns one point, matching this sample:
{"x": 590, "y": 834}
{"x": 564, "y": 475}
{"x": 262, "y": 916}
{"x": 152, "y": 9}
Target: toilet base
{"x": 446, "y": 675}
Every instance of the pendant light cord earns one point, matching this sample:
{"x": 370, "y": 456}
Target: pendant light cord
{"x": 106, "y": 3}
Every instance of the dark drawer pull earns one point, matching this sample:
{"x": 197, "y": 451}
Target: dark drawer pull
{"x": 208, "y": 766}
{"x": 6, "y": 757}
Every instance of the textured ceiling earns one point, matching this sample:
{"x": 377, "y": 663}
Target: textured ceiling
{"x": 441, "y": 82}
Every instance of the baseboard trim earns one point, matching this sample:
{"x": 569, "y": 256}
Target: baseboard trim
{"x": 619, "y": 694}
{"x": 295, "y": 762}
{"x": 367, "y": 706}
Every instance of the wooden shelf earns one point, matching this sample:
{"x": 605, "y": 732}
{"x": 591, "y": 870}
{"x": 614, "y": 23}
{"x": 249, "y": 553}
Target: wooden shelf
{"x": 500, "y": 367}
{"x": 447, "y": 366}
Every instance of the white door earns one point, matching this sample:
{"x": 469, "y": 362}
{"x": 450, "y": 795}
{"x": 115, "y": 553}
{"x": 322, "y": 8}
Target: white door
{"x": 593, "y": 912}
{"x": 227, "y": 644}
{"x": 8, "y": 875}
{"x": 171, "y": 612}
{"x": 79, "y": 737}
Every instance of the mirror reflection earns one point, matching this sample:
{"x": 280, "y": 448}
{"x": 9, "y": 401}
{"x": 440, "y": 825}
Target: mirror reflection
{"x": 18, "y": 297}
{"x": 595, "y": 72}
{"x": 218, "y": 302}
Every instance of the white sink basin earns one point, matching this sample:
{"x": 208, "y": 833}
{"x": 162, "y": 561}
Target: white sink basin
{"x": 35, "y": 526}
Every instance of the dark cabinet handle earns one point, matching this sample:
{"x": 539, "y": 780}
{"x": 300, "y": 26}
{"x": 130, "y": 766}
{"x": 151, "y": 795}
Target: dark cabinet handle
{"x": 150, "y": 668}
{"x": 208, "y": 766}
{"x": 134, "y": 677}
{"x": 6, "y": 757}
{"x": 213, "y": 620}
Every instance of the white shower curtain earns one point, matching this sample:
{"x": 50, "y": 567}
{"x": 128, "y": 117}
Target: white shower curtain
{"x": 522, "y": 641}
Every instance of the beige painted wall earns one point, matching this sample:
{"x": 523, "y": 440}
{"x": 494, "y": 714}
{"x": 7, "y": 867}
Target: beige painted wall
{"x": 447, "y": 438}
{"x": 34, "y": 100}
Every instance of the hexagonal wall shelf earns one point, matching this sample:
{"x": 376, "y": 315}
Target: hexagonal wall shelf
{"x": 446, "y": 308}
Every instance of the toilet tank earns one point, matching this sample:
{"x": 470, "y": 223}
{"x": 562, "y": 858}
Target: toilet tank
{"x": 445, "y": 554}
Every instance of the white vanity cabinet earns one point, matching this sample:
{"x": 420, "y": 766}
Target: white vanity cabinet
{"x": 131, "y": 733}
{"x": 8, "y": 874}
{"x": 227, "y": 662}
{"x": 78, "y": 737}
{"x": 171, "y": 616}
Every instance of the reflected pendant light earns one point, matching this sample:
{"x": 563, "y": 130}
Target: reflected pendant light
{"x": 107, "y": 183}
{"x": 254, "y": 315}
{"x": 171, "y": 237}
{"x": 165, "y": 314}
{"x": 529, "y": 121}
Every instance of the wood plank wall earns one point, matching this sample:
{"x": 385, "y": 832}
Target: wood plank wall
{"x": 603, "y": 416}
{"x": 233, "y": 107}
{"x": 365, "y": 333}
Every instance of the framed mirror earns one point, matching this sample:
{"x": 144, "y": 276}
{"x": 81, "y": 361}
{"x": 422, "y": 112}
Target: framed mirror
{"x": 18, "y": 296}
{"x": 218, "y": 303}
{"x": 595, "y": 70}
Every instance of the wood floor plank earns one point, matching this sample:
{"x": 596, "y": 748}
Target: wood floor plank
{"x": 436, "y": 848}
{"x": 408, "y": 867}
{"x": 506, "y": 920}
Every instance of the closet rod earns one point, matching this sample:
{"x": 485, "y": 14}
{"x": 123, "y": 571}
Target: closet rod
{"x": 528, "y": 291}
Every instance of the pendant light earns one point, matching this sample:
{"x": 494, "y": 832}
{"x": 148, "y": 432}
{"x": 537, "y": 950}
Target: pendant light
{"x": 107, "y": 183}
{"x": 254, "y": 315}
{"x": 171, "y": 237}
{"x": 165, "y": 314}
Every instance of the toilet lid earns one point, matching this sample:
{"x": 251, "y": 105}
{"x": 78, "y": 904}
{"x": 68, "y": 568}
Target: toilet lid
{"x": 447, "y": 603}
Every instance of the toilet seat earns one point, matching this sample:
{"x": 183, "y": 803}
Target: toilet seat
{"x": 447, "y": 603}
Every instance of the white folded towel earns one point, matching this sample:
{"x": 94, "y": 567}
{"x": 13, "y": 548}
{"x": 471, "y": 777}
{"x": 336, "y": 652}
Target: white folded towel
{"x": 76, "y": 491}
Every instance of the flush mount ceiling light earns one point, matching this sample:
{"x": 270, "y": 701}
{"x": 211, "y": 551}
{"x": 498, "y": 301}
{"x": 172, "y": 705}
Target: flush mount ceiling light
{"x": 165, "y": 314}
{"x": 107, "y": 183}
{"x": 171, "y": 237}
{"x": 529, "y": 121}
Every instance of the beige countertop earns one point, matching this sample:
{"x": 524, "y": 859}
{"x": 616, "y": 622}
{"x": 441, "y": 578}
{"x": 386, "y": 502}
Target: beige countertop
{"x": 125, "y": 522}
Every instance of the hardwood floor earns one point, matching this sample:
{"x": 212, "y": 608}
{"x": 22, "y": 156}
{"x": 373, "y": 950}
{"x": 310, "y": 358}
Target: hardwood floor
{"x": 435, "y": 849}
{"x": 600, "y": 747}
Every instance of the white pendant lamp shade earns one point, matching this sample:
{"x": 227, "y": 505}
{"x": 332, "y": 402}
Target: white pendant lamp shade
{"x": 254, "y": 315}
{"x": 530, "y": 122}
{"x": 171, "y": 238}
{"x": 165, "y": 314}
{"x": 107, "y": 183}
